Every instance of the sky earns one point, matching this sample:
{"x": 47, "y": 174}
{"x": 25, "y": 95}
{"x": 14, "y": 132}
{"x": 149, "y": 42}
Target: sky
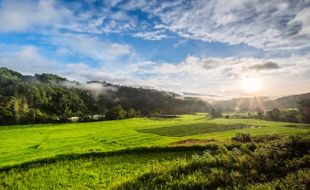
{"x": 205, "y": 48}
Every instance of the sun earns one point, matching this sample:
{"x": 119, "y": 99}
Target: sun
{"x": 252, "y": 84}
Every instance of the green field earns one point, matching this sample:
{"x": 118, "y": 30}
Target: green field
{"x": 92, "y": 172}
{"x": 107, "y": 154}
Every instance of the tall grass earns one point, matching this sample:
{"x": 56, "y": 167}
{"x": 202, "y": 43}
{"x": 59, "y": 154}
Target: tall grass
{"x": 282, "y": 164}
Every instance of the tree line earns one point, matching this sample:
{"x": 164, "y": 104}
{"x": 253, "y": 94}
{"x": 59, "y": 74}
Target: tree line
{"x": 295, "y": 115}
{"x": 300, "y": 115}
{"x": 48, "y": 98}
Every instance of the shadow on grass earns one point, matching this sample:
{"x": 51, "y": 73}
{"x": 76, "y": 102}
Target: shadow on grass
{"x": 194, "y": 129}
{"x": 273, "y": 164}
{"x": 140, "y": 150}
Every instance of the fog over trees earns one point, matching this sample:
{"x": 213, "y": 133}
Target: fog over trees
{"x": 50, "y": 98}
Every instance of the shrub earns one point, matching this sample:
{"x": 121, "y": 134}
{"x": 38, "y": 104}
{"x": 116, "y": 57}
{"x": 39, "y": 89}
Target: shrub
{"x": 242, "y": 137}
{"x": 116, "y": 112}
{"x": 270, "y": 165}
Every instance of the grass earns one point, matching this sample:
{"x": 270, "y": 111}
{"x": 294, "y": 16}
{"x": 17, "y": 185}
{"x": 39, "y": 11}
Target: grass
{"x": 282, "y": 163}
{"x": 91, "y": 172}
{"x": 19, "y": 144}
{"x": 194, "y": 129}
{"x": 232, "y": 165}
{"x": 125, "y": 154}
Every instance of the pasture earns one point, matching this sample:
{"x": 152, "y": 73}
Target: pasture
{"x": 109, "y": 153}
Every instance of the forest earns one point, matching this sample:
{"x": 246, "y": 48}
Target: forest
{"x": 50, "y": 98}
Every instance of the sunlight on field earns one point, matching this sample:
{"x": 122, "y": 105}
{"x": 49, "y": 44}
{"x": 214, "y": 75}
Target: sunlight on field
{"x": 28, "y": 142}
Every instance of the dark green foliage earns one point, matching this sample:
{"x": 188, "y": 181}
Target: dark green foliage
{"x": 304, "y": 107}
{"x": 260, "y": 113}
{"x": 292, "y": 116}
{"x": 116, "y": 112}
{"x": 149, "y": 101}
{"x": 242, "y": 137}
{"x": 50, "y": 98}
{"x": 193, "y": 129}
{"x": 132, "y": 113}
{"x": 289, "y": 115}
{"x": 215, "y": 113}
{"x": 47, "y": 78}
{"x": 274, "y": 115}
{"x": 279, "y": 164}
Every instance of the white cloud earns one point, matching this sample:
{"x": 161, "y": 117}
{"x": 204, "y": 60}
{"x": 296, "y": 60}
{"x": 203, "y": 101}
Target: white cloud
{"x": 83, "y": 72}
{"x": 23, "y": 15}
{"x": 269, "y": 25}
{"x": 282, "y": 26}
{"x": 222, "y": 76}
{"x": 263, "y": 24}
{"x": 92, "y": 47}
{"x": 304, "y": 18}
{"x": 207, "y": 75}
{"x": 151, "y": 35}
{"x": 29, "y": 60}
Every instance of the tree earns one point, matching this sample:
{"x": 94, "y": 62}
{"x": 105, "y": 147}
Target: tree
{"x": 215, "y": 113}
{"x": 7, "y": 110}
{"x": 30, "y": 99}
{"x": 292, "y": 115}
{"x": 274, "y": 115}
{"x": 132, "y": 113}
{"x": 116, "y": 112}
{"x": 260, "y": 113}
{"x": 304, "y": 108}
{"x": 35, "y": 116}
{"x": 6, "y": 115}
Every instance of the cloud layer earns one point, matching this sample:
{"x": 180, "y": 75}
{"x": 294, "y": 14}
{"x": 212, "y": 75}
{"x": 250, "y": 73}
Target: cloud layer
{"x": 85, "y": 40}
{"x": 221, "y": 76}
{"x": 19, "y": 16}
{"x": 263, "y": 24}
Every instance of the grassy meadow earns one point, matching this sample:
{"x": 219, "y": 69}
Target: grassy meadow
{"x": 110, "y": 154}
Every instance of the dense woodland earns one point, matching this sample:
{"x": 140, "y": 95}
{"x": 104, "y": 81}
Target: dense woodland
{"x": 50, "y": 98}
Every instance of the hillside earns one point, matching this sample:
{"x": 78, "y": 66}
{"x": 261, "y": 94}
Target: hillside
{"x": 51, "y": 98}
{"x": 287, "y": 101}
{"x": 252, "y": 103}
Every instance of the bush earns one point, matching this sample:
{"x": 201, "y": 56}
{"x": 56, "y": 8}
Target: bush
{"x": 242, "y": 137}
{"x": 271, "y": 165}
{"x": 132, "y": 113}
{"x": 215, "y": 113}
{"x": 116, "y": 112}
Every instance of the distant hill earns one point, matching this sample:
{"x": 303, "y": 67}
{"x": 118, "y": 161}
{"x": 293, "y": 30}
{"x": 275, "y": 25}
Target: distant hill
{"x": 47, "y": 97}
{"x": 252, "y": 103}
{"x": 286, "y": 101}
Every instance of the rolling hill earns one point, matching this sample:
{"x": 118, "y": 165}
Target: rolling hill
{"x": 252, "y": 103}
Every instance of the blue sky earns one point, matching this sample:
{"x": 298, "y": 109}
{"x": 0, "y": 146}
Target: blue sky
{"x": 209, "y": 47}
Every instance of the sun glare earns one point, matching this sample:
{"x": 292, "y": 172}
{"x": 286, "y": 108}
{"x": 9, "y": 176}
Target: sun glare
{"x": 251, "y": 84}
